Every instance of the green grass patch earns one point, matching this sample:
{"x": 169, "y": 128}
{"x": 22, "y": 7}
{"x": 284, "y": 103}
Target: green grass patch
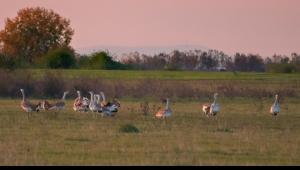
{"x": 164, "y": 75}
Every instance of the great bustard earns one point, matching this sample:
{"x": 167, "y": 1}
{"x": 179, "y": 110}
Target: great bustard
{"x": 81, "y": 104}
{"x": 163, "y": 113}
{"x": 59, "y": 105}
{"x": 109, "y": 108}
{"x": 28, "y": 106}
{"x": 211, "y": 109}
{"x": 94, "y": 106}
{"x": 275, "y": 108}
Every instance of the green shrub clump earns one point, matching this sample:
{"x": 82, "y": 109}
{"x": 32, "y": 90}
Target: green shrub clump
{"x": 129, "y": 128}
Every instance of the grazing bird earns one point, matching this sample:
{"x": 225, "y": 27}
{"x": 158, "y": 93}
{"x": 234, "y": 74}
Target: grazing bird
{"x": 57, "y": 106}
{"x": 163, "y": 113}
{"x": 211, "y": 109}
{"x": 81, "y": 104}
{"x": 27, "y": 106}
{"x": 275, "y": 108}
{"x": 109, "y": 108}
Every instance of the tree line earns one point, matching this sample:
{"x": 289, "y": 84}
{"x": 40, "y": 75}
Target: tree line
{"x": 212, "y": 60}
{"x": 40, "y": 38}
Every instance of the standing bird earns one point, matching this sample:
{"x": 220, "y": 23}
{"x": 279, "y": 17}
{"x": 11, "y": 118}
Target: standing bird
{"x": 81, "y": 104}
{"x": 97, "y": 99}
{"x": 77, "y": 105}
{"x": 163, "y": 113}
{"x": 275, "y": 108}
{"x": 211, "y": 109}
{"x": 94, "y": 106}
{"x": 57, "y": 106}
{"x": 27, "y": 106}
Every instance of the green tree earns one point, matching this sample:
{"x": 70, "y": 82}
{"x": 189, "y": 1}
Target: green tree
{"x": 33, "y": 33}
{"x": 102, "y": 60}
{"x": 60, "y": 58}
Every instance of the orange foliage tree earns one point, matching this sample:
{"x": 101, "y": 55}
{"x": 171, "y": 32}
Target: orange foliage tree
{"x": 33, "y": 32}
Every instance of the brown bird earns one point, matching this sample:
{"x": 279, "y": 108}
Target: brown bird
{"x": 109, "y": 108}
{"x": 211, "y": 109}
{"x": 28, "y": 106}
{"x": 165, "y": 112}
{"x": 57, "y": 106}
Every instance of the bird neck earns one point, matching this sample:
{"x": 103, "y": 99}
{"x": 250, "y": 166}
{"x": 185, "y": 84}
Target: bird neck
{"x": 64, "y": 96}
{"x": 92, "y": 96}
{"x": 79, "y": 95}
{"x": 167, "y": 104}
{"x": 23, "y": 95}
{"x": 276, "y": 101}
{"x": 103, "y": 97}
{"x": 215, "y": 100}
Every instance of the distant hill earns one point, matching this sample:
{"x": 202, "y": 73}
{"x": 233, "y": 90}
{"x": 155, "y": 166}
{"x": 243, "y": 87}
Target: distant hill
{"x": 149, "y": 50}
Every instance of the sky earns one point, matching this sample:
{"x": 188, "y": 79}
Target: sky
{"x": 262, "y": 27}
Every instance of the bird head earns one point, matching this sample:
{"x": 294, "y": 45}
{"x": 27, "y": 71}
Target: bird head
{"x": 117, "y": 102}
{"x": 216, "y": 94}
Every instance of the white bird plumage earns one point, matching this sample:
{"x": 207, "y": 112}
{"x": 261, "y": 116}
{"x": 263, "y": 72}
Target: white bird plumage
{"x": 81, "y": 104}
{"x": 275, "y": 108}
{"x": 211, "y": 109}
{"x": 164, "y": 113}
{"x": 109, "y": 108}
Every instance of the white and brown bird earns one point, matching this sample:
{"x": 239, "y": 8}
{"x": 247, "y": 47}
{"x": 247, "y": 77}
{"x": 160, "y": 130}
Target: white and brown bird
{"x": 275, "y": 108}
{"x": 109, "y": 108}
{"x": 211, "y": 109}
{"x": 28, "y": 106}
{"x": 164, "y": 112}
{"x": 59, "y": 105}
{"x": 94, "y": 105}
{"x": 81, "y": 104}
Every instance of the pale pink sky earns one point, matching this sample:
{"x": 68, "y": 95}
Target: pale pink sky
{"x": 250, "y": 26}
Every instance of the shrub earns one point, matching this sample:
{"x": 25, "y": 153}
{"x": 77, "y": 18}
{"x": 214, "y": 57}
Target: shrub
{"x": 60, "y": 58}
{"x": 7, "y": 62}
{"x": 129, "y": 128}
{"x": 102, "y": 60}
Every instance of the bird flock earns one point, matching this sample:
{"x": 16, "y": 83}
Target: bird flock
{"x": 98, "y": 104}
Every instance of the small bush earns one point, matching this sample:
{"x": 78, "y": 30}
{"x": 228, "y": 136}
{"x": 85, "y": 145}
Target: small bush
{"x": 60, "y": 58}
{"x": 129, "y": 128}
{"x": 102, "y": 60}
{"x": 7, "y": 62}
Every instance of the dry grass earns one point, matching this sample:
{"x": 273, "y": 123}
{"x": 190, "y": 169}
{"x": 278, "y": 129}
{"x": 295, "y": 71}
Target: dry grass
{"x": 52, "y": 84}
{"x": 242, "y": 134}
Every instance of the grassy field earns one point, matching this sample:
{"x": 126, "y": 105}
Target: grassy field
{"x": 243, "y": 133}
{"x": 164, "y": 75}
